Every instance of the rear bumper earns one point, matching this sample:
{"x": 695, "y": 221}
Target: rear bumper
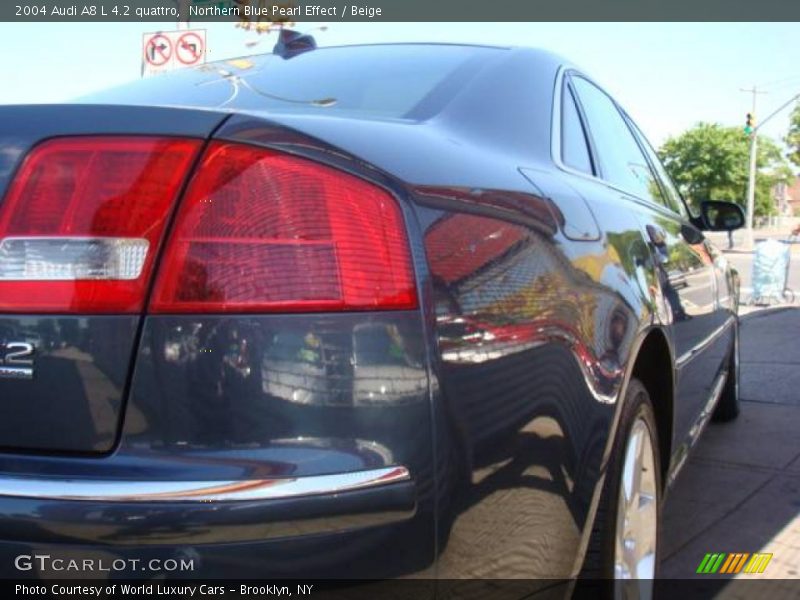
{"x": 111, "y": 512}
{"x": 371, "y": 553}
{"x": 262, "y": 445}
{"x": 336, "y": 534}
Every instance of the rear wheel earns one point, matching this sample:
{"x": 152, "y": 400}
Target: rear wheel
{"x": 625, "y": 538}
{"x": 636, "y": 532}
{"x": 728, "y": 405}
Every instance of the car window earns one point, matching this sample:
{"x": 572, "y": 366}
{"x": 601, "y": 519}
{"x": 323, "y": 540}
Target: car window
{"x": 405, "y": 81}
{"x": 574, "y": 149}
{"x": 672, "y": 196}
{"x": 621, "y": 161}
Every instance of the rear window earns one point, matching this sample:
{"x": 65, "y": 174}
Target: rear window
{"x": 392, "y": 81}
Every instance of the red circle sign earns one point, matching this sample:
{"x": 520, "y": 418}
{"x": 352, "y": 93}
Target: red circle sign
{"x": 158, "y": 50}
{"x": 189, "y": 49}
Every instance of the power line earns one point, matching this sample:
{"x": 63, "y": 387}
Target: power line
{"x": 778, "y": 81}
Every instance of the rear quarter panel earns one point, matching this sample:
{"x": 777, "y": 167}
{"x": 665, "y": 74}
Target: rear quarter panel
{"x": 534, "y": 334}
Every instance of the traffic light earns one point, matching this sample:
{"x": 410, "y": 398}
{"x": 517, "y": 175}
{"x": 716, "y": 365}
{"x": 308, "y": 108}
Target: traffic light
{"x": 750, "y": 124}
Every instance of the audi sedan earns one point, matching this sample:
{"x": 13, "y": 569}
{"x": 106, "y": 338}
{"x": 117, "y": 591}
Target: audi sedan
{"x": 406, "y": 310}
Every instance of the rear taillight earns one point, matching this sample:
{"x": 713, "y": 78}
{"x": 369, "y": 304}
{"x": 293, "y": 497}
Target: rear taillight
{"x": 263, "y": 231}
{"x": 258, "y": 231}
{"x": 82, "y": 221}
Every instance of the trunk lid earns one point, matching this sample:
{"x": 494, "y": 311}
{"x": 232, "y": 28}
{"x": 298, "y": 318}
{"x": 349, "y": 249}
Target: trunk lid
{"x": 63, "y": 377}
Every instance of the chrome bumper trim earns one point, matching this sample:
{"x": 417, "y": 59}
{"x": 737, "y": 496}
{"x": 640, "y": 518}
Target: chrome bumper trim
{"x": 198, "y": 491}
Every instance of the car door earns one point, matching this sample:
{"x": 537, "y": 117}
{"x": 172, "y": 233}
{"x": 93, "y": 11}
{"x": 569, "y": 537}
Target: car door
{"x": 686, "y": 295}
{"x": 707, "y": 358}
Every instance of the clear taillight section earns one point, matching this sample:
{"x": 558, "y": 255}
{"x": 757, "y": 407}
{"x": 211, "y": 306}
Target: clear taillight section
{"x": 83, "y": 219}
{"x": 263, "y": 231}
{"x": 71, "y": 259}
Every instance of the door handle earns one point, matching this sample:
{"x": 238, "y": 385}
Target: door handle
{"x": 657, "y": 236}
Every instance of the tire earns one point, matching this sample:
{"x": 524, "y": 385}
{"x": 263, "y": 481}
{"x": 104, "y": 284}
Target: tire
{"x": 601, "y": 564}
{"x": 728, "y": 406}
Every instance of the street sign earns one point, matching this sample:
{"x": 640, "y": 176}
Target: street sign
{"x": 164, "y": 51}
{"x": 157, "y": 50}
{"x": 190, "y": 48}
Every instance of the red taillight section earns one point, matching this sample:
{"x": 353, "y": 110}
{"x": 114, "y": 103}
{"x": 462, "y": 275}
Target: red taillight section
{"x": 263, "y": 231}
{"x": 258, "y": 231}
{"x": 82, "y": 221}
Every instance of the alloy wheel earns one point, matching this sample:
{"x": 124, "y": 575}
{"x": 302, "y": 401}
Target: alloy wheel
{"x": 636, "y": 534}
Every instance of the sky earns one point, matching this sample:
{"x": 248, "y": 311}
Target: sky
{"x": 668, "y": 76}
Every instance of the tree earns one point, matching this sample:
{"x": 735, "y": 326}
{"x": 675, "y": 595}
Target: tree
{"x": 711, "y": 162}
{"x": 793, "y": 137}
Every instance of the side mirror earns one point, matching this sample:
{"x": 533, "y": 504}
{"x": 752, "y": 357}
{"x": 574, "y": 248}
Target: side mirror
{"x": 721, "y": 216}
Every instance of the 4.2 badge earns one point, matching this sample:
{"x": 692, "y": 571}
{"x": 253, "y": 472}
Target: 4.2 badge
{"x": 16, "y": 360}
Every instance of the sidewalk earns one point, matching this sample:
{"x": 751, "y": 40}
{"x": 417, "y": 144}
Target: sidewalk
{"x": 740, "y": 491}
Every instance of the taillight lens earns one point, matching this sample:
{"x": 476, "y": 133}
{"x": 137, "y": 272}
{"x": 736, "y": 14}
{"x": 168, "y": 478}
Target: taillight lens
{"x": 263, "y": 231}
{"x": 83, "y": 219}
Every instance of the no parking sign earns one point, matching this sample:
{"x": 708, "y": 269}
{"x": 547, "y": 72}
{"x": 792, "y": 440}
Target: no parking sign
{"x": 164, "y": 51}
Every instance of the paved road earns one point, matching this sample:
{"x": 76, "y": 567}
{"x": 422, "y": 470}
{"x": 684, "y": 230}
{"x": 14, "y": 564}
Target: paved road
{"x": 740, "y": 491}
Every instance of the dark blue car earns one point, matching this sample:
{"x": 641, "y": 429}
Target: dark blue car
{"x": 356, "y": 312}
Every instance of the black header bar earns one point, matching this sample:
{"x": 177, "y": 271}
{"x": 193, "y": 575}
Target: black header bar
{"x": 265, "y": 11}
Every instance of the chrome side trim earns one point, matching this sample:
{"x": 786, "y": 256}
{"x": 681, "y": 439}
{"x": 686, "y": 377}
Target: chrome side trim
{"x": 687, "y": 356}
{"x": 698, "y": 426}
{"x": 198, "y": 491}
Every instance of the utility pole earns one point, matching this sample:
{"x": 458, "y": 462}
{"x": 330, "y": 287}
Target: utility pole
{"x": 751, "y": 181}
{"x": 183, "y": 14}
{"x": 752, "y": 130}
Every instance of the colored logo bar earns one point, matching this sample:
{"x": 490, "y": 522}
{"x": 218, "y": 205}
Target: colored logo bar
{"x": 733, "y": 563}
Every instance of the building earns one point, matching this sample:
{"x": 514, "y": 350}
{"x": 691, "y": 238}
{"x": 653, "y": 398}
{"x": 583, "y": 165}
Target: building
{"x": 787, "y": 198}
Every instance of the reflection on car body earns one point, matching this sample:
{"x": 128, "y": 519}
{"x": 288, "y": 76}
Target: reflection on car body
{"x": 431, "y": 294}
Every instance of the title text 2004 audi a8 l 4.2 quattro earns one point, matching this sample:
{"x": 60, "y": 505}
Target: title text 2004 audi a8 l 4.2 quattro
{"x": 366, "y": 311}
